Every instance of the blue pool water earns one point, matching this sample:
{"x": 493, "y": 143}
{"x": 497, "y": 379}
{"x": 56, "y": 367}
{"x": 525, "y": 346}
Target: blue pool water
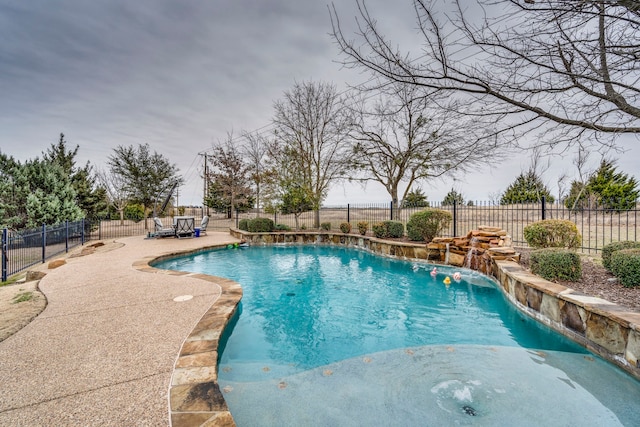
{"x": 339, "y": 336}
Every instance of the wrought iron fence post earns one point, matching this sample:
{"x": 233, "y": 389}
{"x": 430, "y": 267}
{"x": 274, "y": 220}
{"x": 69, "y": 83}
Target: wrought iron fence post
{"x": 391, "y": 211}
{"x": 348, "y": 213}
{"x": 44, "y": 243}
{"x": 455, "y": 218}
{"x": 66, "y": 236}
{"x": 544, "y": 202}
{"x": 5, "y": 235}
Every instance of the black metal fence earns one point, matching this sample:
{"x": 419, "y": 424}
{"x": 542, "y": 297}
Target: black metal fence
{"x": 22, "y": 249}
{"x": 598, "y": 225}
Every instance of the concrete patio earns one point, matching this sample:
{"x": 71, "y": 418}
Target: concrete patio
{"x": 103, "y": 351}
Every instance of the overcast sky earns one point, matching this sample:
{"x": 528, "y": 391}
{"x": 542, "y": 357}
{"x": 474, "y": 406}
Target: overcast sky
{"x": 182, "y": 74}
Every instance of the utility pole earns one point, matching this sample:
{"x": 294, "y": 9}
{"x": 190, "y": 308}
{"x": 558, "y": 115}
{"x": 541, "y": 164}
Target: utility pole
{"x": 205, "y": 183}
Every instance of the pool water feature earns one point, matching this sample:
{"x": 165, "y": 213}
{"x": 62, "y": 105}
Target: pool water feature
{"x": 339, "y": 336}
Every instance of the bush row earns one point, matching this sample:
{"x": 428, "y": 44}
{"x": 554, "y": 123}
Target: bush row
{"x": 552, "y": 233}
{"x": 257, "y": 225}
{"x": 427, "y": 224}
{"x": 609, "y": 249}
{"x": 625, "y": 265}
{"x": 556, "y": 264}
{"x": 388, "y": 229}
{"x": 623, "y": 260}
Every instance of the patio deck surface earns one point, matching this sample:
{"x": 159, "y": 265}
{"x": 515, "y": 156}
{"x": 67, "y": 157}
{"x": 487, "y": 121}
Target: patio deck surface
{"x": 104, "y": 349}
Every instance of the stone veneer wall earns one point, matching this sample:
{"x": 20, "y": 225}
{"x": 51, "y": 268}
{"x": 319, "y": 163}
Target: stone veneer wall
{"x": 607, "y": 329}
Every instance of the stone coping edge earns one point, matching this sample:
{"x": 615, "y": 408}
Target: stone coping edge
{"x": 195, "y": 399}
{"x": 607, "y": 329}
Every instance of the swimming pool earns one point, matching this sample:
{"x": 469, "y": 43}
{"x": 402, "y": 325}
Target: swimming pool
{"x": 333, "y": 336}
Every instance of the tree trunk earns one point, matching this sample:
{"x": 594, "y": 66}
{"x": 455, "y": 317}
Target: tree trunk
{"x": 395, "y": 207}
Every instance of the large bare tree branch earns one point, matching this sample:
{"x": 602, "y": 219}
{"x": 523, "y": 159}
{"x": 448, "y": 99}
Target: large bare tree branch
{"x": 404, "y": 136}
{"x": 571, "y": 64}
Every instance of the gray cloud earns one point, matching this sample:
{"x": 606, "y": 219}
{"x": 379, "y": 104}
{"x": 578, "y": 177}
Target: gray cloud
{"x": 175, "y": 74}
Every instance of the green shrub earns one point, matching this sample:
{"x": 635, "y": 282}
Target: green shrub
{"x": 326, "y": 226}
{"x": 396, "y": 228}
{"x": 388, "y": 229}
{"x": 363, "y": 226}
{"x": 261, "y": 225}
{"x": 282, "y": 227}
{"x": 243, "y": 224}
{"x": 625, "y": 265}
{"x": 552, "y": 233}
{"x": 556, "y": 263}
{"x": 380, "y": 230}
{"x": 427, "y": 224}
{"x": 345, "y": 227}
{"x": 134, "y": 212}
{"x": 612, "y": 247}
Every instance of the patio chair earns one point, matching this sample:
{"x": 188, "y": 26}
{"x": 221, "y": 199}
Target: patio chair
{"x": 161, "y": 231}
{"x": 203, "y": 225}
{"x": 185, "y": 227}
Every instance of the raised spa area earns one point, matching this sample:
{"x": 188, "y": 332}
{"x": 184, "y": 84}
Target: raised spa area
{"x": 329, "y": 335}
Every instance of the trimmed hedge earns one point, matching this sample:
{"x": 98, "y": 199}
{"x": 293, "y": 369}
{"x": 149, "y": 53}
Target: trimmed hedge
{"x": 282, "y": 227}
{"x": 363, "y": 226}
{"x": 243, "y": 224}
{"x": 556, "y": 264}
{"x": 396, "y": 228}
{"x": 345, "y": 227}
{"x": 427, "y": 224}
{"x": 552, "y": 233}
{"x": 625, "y": 265}
{"x": 379, "y": 230}
{"x": 260, "y": 225}
{"x": 612, "y": 247}
{"x": 388, "y": 229}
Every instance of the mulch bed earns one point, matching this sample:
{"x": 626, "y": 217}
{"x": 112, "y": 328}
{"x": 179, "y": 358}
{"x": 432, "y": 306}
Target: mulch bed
{"x": 596, "y": 281}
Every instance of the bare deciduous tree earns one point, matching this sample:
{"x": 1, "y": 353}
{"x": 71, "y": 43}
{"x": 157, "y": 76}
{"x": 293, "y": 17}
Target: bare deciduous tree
{"x": 256, "y": 149}
{"x": 404, "y": 137}
{"x": 311, "y": 134}
{"x": 570, "y": 66}
{"x": 115, "y": 187}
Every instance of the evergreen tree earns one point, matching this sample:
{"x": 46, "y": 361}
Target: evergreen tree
{"x": 451, "y": 197}
{"x": 35, "y": 193}
{"x": 146, "y": 176}
{"x": 579, "y": 197}
{"x": 90, "y": 197}
{"x": 527, "y": 188}
{"x": 13, "y": 212}
{"x": 51, "y": 198}
{"x": 613, "y": 189}
{"x": 415, "y": 199}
